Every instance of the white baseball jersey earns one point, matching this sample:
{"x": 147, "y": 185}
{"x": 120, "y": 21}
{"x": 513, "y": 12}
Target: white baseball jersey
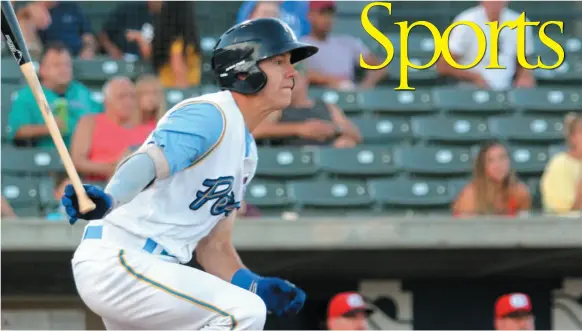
{"x": 212, "y": 156}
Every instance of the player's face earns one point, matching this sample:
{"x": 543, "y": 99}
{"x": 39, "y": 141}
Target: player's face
{"x": 280, "y": 75}
{"x": 57, "y": 68}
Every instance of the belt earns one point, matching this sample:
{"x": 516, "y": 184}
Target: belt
{"x": 96, "y": 232}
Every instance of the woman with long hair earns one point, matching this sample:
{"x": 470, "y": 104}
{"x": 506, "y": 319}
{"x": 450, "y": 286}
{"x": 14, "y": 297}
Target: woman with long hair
{"x": 150, "y": 101}
{"x": 494, "y": 188}
{"x": 561, "y": 183}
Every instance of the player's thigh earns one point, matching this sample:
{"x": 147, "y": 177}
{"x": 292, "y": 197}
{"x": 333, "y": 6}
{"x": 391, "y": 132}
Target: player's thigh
{"x": 149, "y": 293}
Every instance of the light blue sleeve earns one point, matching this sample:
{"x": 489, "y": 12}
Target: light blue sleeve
{"x": 188, "y": 134}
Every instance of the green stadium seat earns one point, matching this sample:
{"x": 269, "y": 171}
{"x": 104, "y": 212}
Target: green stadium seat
{"x": 433, "y": 160}
{"x": 384, "y": 129}
{"x": 458, "y": 130}
{"x": 547, "y": 99}
{"x": 333, "y": 193}
{"x": 569, "y": 72}
{"x": 534, "y": 189}
{"x": 30, "y": 160}
{"x": 468, "y": 100}
{"x": 287, "y": 162}
{"x": 387, "y": 100}
{"x": 419, "y": 45}
{"x": 555, "y": 149}
{"x": 268, "y": 193}
{"x": 97, "y": 95}
{"x": 410, "y": 193}
{"x": 527, "y": 128}
{"x": 175, "y": 96}
{"x": 359, "y": 161}
{"x": 415, "y": 76}
{"x": 9, "y": 93}
{"x": 346, "y": 100}
{"x": 11, "y": 73}
{"x": 528, "y": 159}
{"x": 100, "y": 70}
{"x": 21, "y": 192}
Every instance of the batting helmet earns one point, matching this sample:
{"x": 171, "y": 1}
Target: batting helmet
{"x": 239, "y": 50}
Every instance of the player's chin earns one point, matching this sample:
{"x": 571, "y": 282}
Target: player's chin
{"x": 284, "y": 99}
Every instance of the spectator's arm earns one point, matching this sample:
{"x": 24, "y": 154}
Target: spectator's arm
{"x": 340, "y": 119}
{"x": 560, "y": 193}
{"x": 523, "y": 197}
{"x": 465, "y": 203}
{"x": 178, "y": 64}
{"x": 7, "y": 210}
{"x": 20, "y": 119}
{"x": 524, "y": 78}
{"x": 111, "y": 27}
{"x": 372, "y": 77}
{"x": 81, "y": 146}
{"x": 272, "y": 128}
{"x": 89, "y": 42}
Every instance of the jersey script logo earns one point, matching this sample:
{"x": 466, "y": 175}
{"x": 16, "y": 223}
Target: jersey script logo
{"x": 220, "y": 191}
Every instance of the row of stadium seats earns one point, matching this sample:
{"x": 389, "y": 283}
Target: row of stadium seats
{"x": 313, "y": 162}
{"x": 30, "y": 196}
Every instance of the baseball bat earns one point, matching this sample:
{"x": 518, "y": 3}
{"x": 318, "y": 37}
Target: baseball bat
{"x": 15, "y": 41}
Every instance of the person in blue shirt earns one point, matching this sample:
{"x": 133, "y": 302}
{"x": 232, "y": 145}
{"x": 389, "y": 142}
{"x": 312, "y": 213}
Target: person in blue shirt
{"x": 294, "y": 13}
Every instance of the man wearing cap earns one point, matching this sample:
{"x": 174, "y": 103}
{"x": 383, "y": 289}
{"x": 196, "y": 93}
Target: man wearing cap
{"x": 334, "y": 66}
{"x": 513, "y": 311}
{"x": 348, "y": 311}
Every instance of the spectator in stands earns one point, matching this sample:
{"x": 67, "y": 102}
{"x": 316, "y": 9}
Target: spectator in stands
{"x": 127, "y": 23}
{"x": 309, "y": 122}
{"x": 464, "y": 49}
{"x": 6, "y": 209}
{"x": 32, "y": 18}
{"x": 561, "y": 183}
{"x": 494, "y": 188}
{"x": 69, "y": 100}
{"x": 335, "y": 63}
{"x": 175, "y": 48}
{"x": 67, "y": 25}
{"x": 150, "y": 101}
{"x": 101, "y": 141}
{"x": 58, "y": 213}
{"x": 513, "y": 311}
{"x": 294, "y": 13}
{"x": 348, "y": 311}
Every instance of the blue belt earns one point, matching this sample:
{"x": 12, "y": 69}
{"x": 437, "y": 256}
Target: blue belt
{"x": 96, "y": 232}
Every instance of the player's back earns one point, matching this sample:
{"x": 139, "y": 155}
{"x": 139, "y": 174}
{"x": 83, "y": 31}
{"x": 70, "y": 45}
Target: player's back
{"x": 178, "y": 211}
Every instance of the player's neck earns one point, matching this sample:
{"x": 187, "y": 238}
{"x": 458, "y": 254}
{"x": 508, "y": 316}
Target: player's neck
{"x": 252, "y": 110}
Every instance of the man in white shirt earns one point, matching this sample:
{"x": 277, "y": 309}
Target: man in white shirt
{"x": 464, "y": 49}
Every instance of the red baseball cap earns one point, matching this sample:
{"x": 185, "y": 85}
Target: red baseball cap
{"x": 345, "y": 303}
{"x": 321, "y": 5}
{"x": 512, "y": 303}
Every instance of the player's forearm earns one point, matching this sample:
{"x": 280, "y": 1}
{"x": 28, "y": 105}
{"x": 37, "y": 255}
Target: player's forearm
{"x": 218, "y": 258}
{"x": 131, "y": 178}
{"x": 32, "y": 131}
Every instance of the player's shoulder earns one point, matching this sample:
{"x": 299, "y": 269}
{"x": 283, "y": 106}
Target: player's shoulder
{"x": 194, "y": 116}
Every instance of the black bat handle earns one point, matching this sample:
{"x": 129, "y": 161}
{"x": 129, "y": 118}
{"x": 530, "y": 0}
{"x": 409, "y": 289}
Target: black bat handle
{"x": 13, "y": 34}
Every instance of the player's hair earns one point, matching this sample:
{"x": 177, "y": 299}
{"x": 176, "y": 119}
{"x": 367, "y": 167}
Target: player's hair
{"x": 146, "y": 80}
{"x": 570, "y": 122}
{"x": 485, "y": 190}
{"x": 176, "y": 21}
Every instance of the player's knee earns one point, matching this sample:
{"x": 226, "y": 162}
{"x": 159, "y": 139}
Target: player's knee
{"x": 253, "y": 314}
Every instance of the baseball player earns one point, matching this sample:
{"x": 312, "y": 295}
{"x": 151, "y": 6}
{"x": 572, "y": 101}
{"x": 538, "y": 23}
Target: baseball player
{"x": 180, "y": 191}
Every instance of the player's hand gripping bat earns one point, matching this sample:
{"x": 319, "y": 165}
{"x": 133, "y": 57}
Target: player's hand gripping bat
{"x": 14, "y": 40}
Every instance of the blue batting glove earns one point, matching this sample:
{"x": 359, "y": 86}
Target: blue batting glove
{"x": 102, "y": 200}
{"x": 280, "y": 296}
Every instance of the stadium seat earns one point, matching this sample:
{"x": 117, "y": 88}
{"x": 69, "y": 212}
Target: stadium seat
{"x": 406, "y": 192}
{"x": 419, "y": 44}
{"x": 456, "y": 130}
{"x": 333, "y": 193}
{"x": 346, "y": 100}
{"x": 9, "y": 92}
{"x": 468, "y": 100}
{"x": 387, "y": 100}
{"x": 268, "y": 193}
{"x": 555, "y": 149}
{"x": 547, "y": 99}
{"x": 384, "y": 129}
{"x": 568, "y": 72}
{"x": 359, "y": 161}
{"x": 30, "y": 160}
{"x": 527, "y": 128}
{"x": 287, "y": 162}
{"x": 11, "y": 73}
{"x": 528, "y": 159}
{"x": 22, "y": 195}
{"x": 97, "y": 95}
{"x": 534, "y": 189}
{"x": 100, "y": 70}
{"x": 415, "y": 76}
{"x": 174, "y": 96}
{"x": 433, "y": 160}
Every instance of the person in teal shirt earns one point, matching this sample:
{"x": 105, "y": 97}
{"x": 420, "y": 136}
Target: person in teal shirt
{"x": 69, "y": 100}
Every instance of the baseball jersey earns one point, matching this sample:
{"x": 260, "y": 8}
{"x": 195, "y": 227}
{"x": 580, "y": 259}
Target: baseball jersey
{"x": 212, "y": 156}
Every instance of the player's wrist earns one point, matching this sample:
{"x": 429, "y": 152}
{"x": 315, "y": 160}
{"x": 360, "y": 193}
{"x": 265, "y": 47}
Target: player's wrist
{"x": 246, "y": 279}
